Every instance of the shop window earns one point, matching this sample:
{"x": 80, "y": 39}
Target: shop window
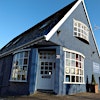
{"x": 74, "y": 68}
{"x": 20, "y": 66}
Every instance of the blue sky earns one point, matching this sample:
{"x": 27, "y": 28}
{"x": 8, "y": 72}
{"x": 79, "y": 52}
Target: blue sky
{"x": 16, "y": 16}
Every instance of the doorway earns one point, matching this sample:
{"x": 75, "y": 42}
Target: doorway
{"x": 46, "y": 70}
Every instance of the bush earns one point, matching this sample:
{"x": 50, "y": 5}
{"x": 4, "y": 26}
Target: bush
{"x": 93, "y": 82}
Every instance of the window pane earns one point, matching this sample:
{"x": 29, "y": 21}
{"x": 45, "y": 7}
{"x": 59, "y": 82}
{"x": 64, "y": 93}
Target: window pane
{"x": 72, "y": 78}
{"x": 75, "y": 24}
{"x": 76, "y": 56}
{"x": 16, "y": 62}
{"x": 77, "y": 71}
{"x": 67, "y": 78}
{"x": 79, "y": 64}
{"x": 25, "y": 68}
{"x": 25, "y": 61}
{"x": 20, "y": 61}
{"x": 26, "y": 54}
{"x": 73, "y": 56}
{"x": 75, "y": 33}
{"x": 21, "y": 55}
{"x": 23, "y": 77}
{"x": 67, "y": 62}
{"x": 76, "y": 64}
{"x": 79, "y": 30}
{"x": 67, "y": 70}
{"x": 72, "y": 63}
{"x": 19, "y": 77}
{"x": 81, "y": 72}
{"x": 18, "y": 56}
{"x": 77, "y": 78}
{"x": 67, "y": 55}
{"x": 72, "y": 70}
{"x": 75, "y": 29}
{"x": 41, "y": 72}
{"x": 79, "y": 25}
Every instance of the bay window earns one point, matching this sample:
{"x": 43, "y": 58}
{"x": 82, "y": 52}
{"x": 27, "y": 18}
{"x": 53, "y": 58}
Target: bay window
{"x": 20, "y": 66}
{"x": 74, "y": 67}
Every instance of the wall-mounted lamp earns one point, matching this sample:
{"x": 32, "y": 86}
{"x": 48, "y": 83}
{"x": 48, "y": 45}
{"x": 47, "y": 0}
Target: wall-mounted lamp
{"x": 93, "y": 52}
{"x": 58, "y": 32}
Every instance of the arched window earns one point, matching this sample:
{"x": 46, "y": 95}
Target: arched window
{"x": 81, "y": 30}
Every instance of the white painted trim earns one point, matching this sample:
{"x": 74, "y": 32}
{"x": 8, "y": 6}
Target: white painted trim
{"x": 73, "y": 83}
{"x": 90, "y": 27}
{"x": 17, "y": 81}
{"x": 64, "y": 66}
{"x": 77, "y": 31}
{"x": 22, "y": 65}
{"x": 72, "y": 51}
{"x": 51, "y": 33}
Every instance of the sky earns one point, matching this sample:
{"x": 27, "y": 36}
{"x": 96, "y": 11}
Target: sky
{"x": 17, "y": 16}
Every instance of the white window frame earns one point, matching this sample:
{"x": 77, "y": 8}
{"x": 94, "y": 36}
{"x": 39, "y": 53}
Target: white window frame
{"x": 80, "y": 30}
{"x": 15, "y": 53}
{"x": 71, "y": 51}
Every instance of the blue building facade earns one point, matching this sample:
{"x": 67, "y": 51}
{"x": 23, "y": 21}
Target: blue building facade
{"x": 58, "y": 54}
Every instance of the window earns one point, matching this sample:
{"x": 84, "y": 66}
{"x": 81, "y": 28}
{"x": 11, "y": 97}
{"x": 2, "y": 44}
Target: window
{"x": 74, "y": 67}
{"x": 81, "y": 30}
{"x": 20, "y": 66}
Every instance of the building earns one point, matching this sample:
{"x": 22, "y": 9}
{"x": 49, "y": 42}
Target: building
{"x": 57, "y": 54}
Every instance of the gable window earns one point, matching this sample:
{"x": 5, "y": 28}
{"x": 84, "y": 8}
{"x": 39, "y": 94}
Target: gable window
{"x": 81, "y": 30}
{"x": 20, "y": 66}
{"x": 74, "y": 68}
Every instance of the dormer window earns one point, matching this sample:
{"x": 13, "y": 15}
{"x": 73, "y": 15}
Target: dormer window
{"x": 81, "y": 31}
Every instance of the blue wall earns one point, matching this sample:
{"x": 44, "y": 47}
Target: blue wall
{"x": 33, "y": 70}
{"x": 7, "y": 87}
{"x": 67, "y": 40}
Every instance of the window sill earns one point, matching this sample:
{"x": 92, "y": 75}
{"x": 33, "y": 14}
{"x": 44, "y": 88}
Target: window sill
{"x": 82, "y": 39}
{"x": 72, "y": 83}
{"x": 20, "y": 81}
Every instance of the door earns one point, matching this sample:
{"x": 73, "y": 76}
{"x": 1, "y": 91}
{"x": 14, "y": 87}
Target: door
{"x": 46, "y": 71}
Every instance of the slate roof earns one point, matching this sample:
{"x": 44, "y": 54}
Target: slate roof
{"x": 38, "y": 30}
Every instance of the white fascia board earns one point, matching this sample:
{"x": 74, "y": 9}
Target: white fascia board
{"x": 91, "y": 27}
{"x": 55, "y": 28}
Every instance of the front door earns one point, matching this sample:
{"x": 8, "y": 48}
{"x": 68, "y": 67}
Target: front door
{"x": 46, "y": 71}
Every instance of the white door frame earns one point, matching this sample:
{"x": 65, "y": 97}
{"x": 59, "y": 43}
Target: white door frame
{"x": 47, "y": 75}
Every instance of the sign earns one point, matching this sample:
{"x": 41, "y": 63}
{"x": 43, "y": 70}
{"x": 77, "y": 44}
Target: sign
{"x": 96, "y": 68}
{"x": 57, "y": 56}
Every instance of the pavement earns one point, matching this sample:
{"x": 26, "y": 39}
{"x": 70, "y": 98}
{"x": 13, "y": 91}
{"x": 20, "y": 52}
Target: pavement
{"x": 47, "y": 96}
